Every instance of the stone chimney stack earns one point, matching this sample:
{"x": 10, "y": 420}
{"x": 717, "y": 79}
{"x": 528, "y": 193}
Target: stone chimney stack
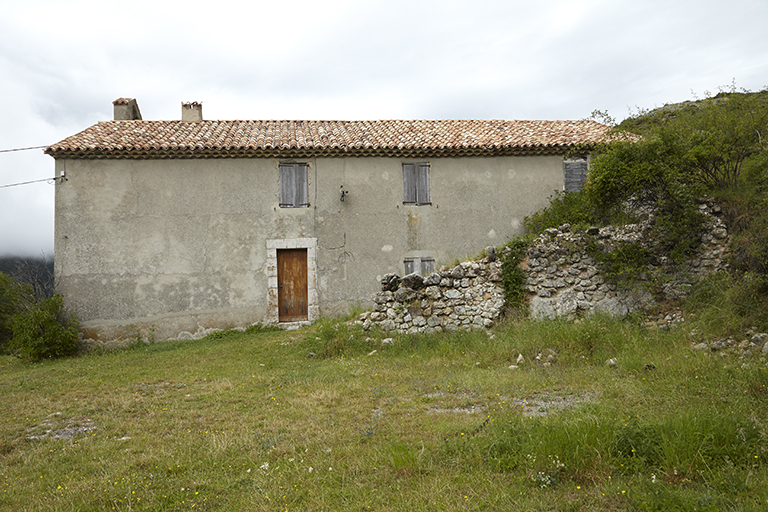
{"x": 126, "y": 109}
{"x": 192, "y": 112}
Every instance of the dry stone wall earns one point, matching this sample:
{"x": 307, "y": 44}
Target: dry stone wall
{"x": 467, "y": 296}
{"x": 563, "y": 280}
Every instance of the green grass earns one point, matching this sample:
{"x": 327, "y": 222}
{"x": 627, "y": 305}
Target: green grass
{"x": 252, "y": 421}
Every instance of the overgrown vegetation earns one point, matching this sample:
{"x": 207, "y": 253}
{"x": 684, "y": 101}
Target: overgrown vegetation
{"x": 715, "y": 147}
{"x": 513, "y": 275}
{"x": 32, "y": 325}
{"x": 14, "y": 298}
{"x": 44, "y": 331}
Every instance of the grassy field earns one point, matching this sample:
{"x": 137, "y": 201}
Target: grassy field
{"x": 255, "y": 421}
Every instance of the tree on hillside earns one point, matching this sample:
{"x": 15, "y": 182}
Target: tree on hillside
{"x": 685, "y": 151}
{"x": 721, "y": 135}
{"x": 710, "y": 139}
{"x": 37, "y": 273}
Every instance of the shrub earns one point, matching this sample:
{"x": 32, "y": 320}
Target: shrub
{"x": 574, "y": 208}
{"x": 512, "y": 275}
{"x": 45, "y": 331}
{"x": 13, "y": 298}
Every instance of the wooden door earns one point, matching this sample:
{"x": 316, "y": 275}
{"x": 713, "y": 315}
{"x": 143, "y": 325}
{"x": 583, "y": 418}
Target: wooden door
{"x": 292, "y": 285}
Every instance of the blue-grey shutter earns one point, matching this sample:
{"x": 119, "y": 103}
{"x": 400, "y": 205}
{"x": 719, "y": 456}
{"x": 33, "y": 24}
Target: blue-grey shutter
{"x": 301, "y": 185}
{"x": 574, "y": 174}
{"x": 293, "y": 185}
{"x": 287, "y": 178}
{"x": 422, "y": 187}
{"x": 409, "y": 183}
{"x": 410, "y": 265}
{"x": 427, "y": 266}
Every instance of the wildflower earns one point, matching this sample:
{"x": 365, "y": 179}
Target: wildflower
{"x": 265, "y": 466}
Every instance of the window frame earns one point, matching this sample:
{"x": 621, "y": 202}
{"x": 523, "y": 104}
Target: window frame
{"x": 294, "y": 185}
{"x": 416, "y": 183}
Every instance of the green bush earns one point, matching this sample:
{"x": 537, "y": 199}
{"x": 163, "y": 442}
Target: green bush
{"x": 13, "y": 298}
{"x": 574, "y": 208}
{"x": 512, "y": 275}
{"x": 45, "y": 331}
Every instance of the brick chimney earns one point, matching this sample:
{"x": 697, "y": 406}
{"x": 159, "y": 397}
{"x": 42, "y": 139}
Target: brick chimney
{"x": 126, "y": 109}
{"x": 192, "y": 112}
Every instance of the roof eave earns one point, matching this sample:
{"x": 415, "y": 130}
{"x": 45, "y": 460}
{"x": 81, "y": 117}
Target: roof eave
{"x": 193, "y": 153}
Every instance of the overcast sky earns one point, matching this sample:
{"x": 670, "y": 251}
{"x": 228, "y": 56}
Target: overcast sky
{"x": 63, "y": 63}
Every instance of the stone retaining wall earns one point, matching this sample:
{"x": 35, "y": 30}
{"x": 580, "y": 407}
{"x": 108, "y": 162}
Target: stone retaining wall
{"x": 467, "y": 296}
{"x": 562, "y": 281}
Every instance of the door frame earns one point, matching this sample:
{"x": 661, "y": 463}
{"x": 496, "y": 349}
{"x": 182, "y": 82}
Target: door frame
{"x": 313, "y": 308}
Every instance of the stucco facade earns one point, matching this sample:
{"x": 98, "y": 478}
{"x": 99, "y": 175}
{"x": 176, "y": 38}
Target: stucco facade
{"x": 186, "y": 244}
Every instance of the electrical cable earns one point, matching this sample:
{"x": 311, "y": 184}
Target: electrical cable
{"x": 51, "y": 181}
{"x": 21, "y": 149}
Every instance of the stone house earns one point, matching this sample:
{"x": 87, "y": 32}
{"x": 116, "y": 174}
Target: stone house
{"x": 186, "y": 225}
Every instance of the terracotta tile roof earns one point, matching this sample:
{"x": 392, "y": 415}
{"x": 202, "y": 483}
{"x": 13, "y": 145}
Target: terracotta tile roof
{"x": 300, "y": 139}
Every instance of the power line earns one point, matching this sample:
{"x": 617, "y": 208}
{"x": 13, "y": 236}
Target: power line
{"x": 21, "y": 149}
{"x": 49, "y": 180}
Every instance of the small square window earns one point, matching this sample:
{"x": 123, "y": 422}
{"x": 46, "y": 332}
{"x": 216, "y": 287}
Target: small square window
{"x": 422, "y": 266}
{"x": 293, "y": 186}
{"x": 416, "y": 184}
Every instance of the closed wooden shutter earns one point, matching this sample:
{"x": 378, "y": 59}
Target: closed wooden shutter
{"x": 301, "y": 186}
{"x": 427, "y": 266}
{"x": 293, "y": 186}
{"x": 422, "y": 189}
{"x": 574, "y": 174}
{"x": 416, "y": 183}
{"x": 409, "y": 183}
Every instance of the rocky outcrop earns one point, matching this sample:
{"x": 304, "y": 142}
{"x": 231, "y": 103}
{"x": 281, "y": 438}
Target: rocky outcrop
{"x": 467, "y": 296}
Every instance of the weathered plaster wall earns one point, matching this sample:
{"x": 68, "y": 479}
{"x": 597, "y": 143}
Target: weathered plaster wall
{"x": 181, "y": 245}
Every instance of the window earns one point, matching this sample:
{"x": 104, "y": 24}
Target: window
{"x": 293, "y": 186}
{"x": 416, "y": 184}
{"x": 575, "y": 173}
{"x": 423, "y": 266}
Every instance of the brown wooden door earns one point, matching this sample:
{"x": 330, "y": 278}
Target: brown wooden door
{"x": 292, "y": 285}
